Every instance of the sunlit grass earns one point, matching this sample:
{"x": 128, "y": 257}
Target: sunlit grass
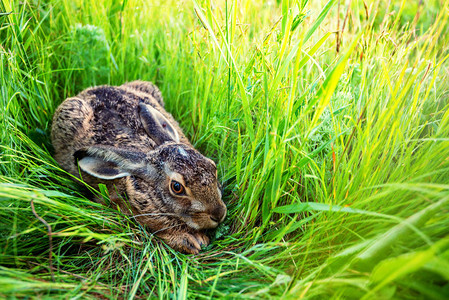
{"x": 335, "y": 164}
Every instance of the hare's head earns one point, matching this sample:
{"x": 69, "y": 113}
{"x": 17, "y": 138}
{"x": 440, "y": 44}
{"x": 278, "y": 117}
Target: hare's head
{"x": 173, "y": 179}
{"x": 191, "y": 181}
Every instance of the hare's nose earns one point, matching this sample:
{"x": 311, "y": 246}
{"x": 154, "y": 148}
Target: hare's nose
{"x": 218, "y": 214}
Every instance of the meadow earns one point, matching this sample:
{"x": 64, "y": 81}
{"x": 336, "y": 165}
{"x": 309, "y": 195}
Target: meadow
{"x": 328, "y": 121}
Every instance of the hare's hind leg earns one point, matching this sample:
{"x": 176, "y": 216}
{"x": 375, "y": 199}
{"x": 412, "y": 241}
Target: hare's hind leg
{"x": 70, "y": 128}
{"x": 147, "y": 88}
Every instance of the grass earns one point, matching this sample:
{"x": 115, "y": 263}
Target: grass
{"x": 335, "y": 163}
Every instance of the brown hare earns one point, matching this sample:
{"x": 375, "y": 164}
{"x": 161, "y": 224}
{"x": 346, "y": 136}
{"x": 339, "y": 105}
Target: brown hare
{"x": 123, "y": 137}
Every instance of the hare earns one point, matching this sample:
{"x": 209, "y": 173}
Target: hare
{"x": 123, "y": 137}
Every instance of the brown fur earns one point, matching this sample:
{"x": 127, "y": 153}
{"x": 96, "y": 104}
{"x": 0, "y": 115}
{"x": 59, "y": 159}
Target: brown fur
{"x": 107, "y": 125}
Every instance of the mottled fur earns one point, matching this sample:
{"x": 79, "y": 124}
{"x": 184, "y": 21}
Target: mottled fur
{"x": 123, "y": 137}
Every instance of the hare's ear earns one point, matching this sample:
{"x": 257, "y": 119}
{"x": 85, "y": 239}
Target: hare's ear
{"x": 101, "y": 169}
{"x": 109, "y": 162}
{"x": 157, "y": 126}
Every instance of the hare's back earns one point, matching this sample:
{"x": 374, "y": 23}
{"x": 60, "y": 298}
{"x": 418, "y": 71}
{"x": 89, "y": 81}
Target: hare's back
{"x": 103, "y": 115}
{"x": 115, "y": 120}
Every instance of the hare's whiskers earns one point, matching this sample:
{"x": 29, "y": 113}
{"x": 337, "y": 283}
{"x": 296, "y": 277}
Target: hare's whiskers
{"x": 169, "y": 227}
{"x": 154, "y": 214}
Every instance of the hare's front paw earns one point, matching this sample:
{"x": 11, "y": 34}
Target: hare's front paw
{"x": 187, "y": 242}
{"x": 192, "y": 242}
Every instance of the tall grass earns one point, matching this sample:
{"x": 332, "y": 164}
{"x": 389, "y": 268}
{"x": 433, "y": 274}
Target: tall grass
{"x": 335, "y": 163}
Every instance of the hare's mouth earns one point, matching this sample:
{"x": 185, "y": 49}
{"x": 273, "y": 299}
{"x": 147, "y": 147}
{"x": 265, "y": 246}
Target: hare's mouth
{"x": 191, "y": 223}
{"x": 201, "y": 221}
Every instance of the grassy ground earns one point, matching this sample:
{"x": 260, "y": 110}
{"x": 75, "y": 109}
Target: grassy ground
{"x": 329, "y": 123}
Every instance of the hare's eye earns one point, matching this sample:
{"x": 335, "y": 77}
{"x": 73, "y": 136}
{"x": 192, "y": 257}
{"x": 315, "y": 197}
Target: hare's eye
{"x": 177, "y": 188}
